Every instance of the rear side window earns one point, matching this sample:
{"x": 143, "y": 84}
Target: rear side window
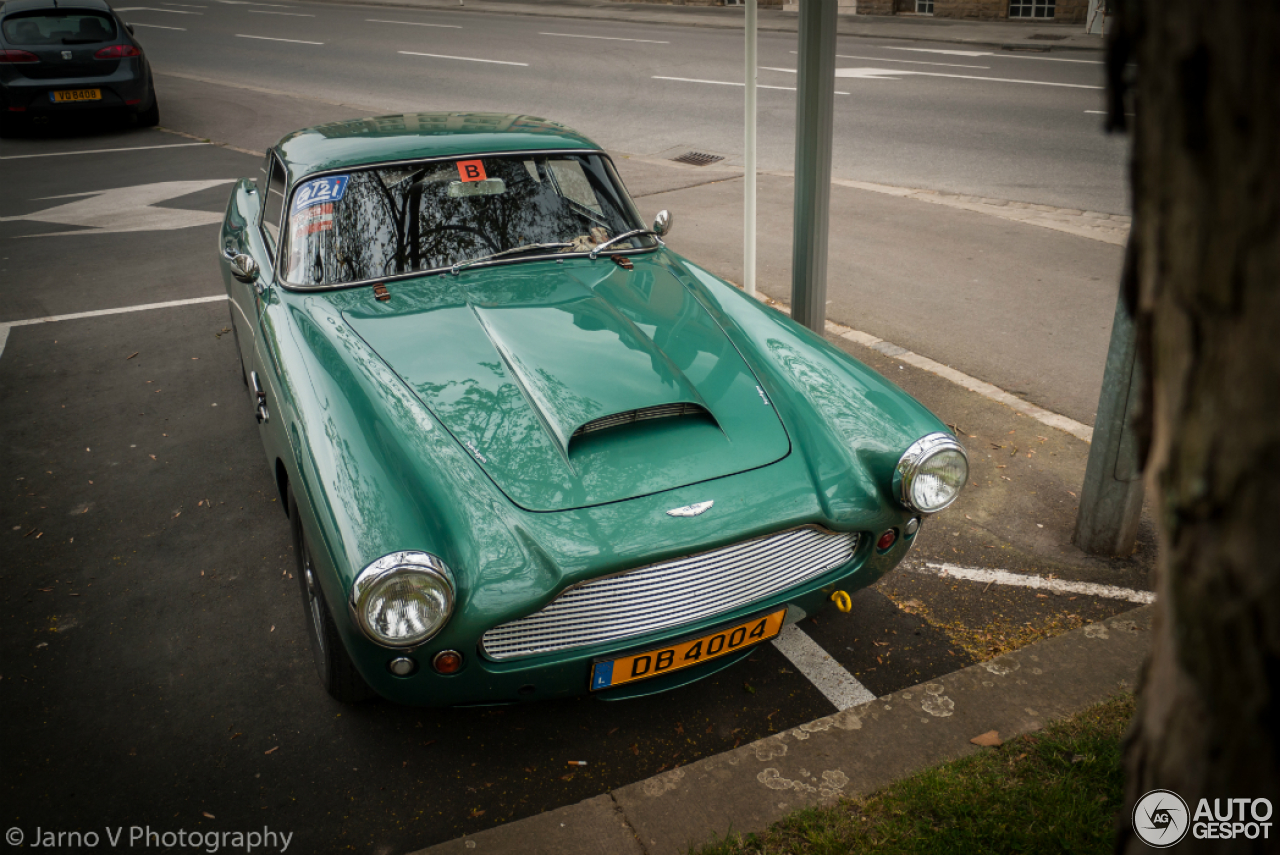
{"x": 274, "y": 206}
{"x": 59, "y": 28}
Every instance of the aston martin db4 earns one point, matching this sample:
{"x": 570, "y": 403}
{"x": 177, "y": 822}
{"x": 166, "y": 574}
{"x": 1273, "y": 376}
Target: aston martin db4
{"x": 527, "y": 450}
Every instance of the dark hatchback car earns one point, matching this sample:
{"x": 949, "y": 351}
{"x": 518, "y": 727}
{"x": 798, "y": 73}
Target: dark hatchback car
{"x": 70, "y": 56}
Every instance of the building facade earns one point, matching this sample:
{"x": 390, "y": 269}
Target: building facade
{"x": 1060, "y": 11}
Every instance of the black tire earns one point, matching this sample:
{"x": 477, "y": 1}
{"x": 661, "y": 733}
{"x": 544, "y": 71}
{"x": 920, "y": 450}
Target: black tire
{"x": 150, "y": 117}
{"x": 337, "y": 672}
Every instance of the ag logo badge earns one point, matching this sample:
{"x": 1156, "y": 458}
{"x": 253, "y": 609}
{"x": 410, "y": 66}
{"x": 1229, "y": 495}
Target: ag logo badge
{"x": 690, "y": 510}
{"x": 1161, "y": 818}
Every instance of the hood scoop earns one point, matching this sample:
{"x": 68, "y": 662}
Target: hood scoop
{"x": 577, "y": 384}
{"x": 662, "y": 411}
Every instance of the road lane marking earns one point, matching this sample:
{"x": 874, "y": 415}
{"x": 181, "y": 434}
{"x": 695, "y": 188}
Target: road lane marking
{"x": 606, "y": 38}
{"x": 729, "y": 83}
{"x": 412, "y": 23}
{"x": 464, "y": 58}
{"x": 5, "y": 326}
{"x": 912, "y": 61}
{"x": 98, "y": 151}
{"x": 153, "y": 9}
{"x": 126, "y": 209}
{"x": 1061, "y": 586}
{"x": 156, "y": 26}
{"x": 992, "y": 53}
{"x": 272, "y": 39}
{"x": 269, "y": 12}
{"x": 879, "y": 74}
{"x": 826, "y": 674}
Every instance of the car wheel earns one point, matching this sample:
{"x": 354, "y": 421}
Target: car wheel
{"x": 150, "y": 117}
{"x": 337, "y": 672}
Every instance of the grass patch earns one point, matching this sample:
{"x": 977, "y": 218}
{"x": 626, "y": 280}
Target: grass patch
{"x": 1057, "y": 790}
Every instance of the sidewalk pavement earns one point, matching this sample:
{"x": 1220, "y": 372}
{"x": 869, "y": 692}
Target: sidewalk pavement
{"x": 853, "y": 752}
{"x": 1014, "y": 35}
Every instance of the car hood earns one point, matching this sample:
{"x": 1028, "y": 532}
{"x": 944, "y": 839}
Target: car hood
{"x": 576, "y": 383}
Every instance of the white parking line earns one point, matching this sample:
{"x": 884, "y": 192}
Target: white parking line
{"x": 270, "y": 39}
{"x": 269, "y": 12}
{"x": 828, "y": 675}
{"x": 156, "y": 26}
{"x": 992, "y": 53}
{"x": 876, "y": 73}
{"x": 605, "y": 38}
{"x": 98, "y": 151}
{"x": 412, "y": 23}
{"x": 153, "y": 9}
{"x": 464, "y": 58}
{"x": 5, "y": 326}
{"x": 1061, "y": 586}
{"x": 730, "y": 83}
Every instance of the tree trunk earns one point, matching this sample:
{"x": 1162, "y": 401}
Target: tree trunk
{"x": 1205, "y": 284}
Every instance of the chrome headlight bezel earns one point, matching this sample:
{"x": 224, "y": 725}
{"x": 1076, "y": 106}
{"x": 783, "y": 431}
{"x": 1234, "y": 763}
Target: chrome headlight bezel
{"x": 913, "y": 460}
{"x": 388, "y": 568}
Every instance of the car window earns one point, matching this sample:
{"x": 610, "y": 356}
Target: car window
{"x": 274, "y": 205}
{"x": 380, "y": 222}
{"x": 59, "y": 28}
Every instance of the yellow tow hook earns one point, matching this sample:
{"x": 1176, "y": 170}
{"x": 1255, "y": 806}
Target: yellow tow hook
{"x": 842, "y": 600}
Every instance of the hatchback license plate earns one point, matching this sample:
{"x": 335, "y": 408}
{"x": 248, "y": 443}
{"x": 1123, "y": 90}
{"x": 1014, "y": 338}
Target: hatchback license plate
{"x": 608, "y": 673}
{"x": 64, "y": 95}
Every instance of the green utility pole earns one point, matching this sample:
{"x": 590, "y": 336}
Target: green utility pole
{"x": 1111, "y": 500}
{"x": 815, "y": 97}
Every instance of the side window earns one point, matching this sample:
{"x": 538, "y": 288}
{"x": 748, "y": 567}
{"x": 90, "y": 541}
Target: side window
{"x": 274, "y": 206}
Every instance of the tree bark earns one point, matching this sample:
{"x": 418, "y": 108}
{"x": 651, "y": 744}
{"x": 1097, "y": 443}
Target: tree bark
{"x": 1205, "y": 287}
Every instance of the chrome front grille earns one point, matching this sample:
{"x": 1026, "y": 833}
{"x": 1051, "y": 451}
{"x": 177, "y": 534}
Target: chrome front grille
{"x": 672, "y": 593}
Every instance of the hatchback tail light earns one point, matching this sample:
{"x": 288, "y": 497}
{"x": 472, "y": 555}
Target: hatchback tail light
{"x": 17, "y": 56}
{"x": 117, "y": 52}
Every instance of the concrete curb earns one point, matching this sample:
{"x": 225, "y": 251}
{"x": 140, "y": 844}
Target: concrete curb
{"x": 853, "y": 752}
{"x": 989, "y": 34}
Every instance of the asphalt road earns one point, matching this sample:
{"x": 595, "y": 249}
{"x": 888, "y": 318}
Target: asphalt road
{"x": 155, "y": 667}
{"x": 918, "y": 114}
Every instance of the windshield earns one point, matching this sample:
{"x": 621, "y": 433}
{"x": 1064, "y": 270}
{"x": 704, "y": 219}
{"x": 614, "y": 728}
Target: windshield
{"x": 389, "y": 221}
{"x": 59, "y": 28}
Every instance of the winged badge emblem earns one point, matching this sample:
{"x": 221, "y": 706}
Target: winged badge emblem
{"x": 690, "y": 510}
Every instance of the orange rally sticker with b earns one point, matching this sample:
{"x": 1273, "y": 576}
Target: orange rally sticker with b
{"x": 471, "y": 170}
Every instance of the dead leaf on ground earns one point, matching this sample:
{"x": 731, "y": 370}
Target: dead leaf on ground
{"x": 132, "y": 355}
{"x": 990, "y": 739}
{"x": 272, "y": 750}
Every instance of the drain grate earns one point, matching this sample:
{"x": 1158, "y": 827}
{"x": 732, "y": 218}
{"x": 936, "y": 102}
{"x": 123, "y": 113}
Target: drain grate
{"x": 1048, "y": 37}
{"x": 697, "y": 158}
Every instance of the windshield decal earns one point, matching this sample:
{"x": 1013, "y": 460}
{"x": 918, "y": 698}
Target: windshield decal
{"x": 318, "y": 218}
{"x": 471, "y": 170}
{"x": 320, "y": 190}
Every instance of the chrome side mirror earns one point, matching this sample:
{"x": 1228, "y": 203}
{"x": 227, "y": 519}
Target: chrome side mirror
{"x": 662, "y": 223}
{"x": 244, "y": 268}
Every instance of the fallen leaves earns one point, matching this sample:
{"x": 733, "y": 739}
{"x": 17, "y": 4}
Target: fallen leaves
{"x": 990, "y": 739}
{"x": 272, "y": 750}
{"x": 132, "y": 355}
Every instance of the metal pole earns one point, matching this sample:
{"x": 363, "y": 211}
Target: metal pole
{"x": 1111, "y": 499}
{"x": 749, "y": 202}
{"x": 815, "y": 97}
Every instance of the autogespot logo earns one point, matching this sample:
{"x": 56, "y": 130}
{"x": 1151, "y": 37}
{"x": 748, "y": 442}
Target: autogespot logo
{"x": 1160, "y": 818}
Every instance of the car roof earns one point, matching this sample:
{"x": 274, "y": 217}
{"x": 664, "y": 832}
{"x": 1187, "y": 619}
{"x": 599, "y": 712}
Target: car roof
{"x": 414, "y": 136}
{"x": 10, "y": 6}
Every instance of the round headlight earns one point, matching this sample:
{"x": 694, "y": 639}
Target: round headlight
{"x": 403, "y": 599}
{"x": 931, "y": 472}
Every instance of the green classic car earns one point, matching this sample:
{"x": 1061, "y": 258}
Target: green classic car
{"x": 528, "y": 451}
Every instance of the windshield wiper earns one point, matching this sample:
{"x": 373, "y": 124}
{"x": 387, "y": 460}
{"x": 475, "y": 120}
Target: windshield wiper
{"x": 596, "y": 250}
{"x": 529, "y": 247}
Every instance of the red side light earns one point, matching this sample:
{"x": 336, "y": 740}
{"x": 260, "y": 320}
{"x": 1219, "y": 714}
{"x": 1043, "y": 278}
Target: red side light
{"x": 887, "y": 539}
{"x": 133, "y": 102}
{"x": 117, "y": 52}
{"x": 447, "y": 662}
{"x": 17, "y": 56}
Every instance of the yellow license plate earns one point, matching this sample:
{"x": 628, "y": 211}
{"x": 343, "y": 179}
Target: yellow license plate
{"x": 608, "y": 673}
{"x": 76, "y": 95}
